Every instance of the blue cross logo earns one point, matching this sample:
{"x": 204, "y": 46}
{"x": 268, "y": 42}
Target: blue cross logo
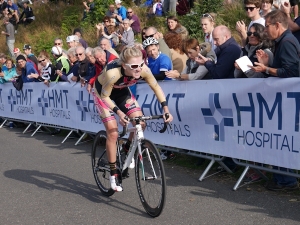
{"x": 43, "y": 103}
{"x": 82, "y": 106}
{"x": 210, "y": 116}
{"x": 12, "y": 100}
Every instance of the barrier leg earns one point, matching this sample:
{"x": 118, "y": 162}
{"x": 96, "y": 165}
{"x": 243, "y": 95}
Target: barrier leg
{"x": 67, "y": 136}
{"x": 211, "y": 163}
{"x": 237, "y": 185}
{"x": 36, "y": 130}
{"x": 2, "y": 124}
{"x": 80, "y": 138}
{"x": 27, "y": 128}
{"x": 225, "y": 167}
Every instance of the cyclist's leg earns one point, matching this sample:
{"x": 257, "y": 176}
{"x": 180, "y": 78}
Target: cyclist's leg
{"x": 111, "y": 127}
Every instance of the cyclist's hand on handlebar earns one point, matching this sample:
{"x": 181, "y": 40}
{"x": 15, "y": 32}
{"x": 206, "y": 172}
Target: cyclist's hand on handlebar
{"x": 168, "y": 118}
{"x": 123, "y": 119}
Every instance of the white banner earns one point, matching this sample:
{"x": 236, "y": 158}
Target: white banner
{"x": 250, "y": 119}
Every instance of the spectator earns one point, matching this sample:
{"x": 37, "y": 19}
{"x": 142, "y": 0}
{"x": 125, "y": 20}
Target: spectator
{"x": 169, "y": 7}
{"x": 63, "y": 65}
{"x": 294, "y": 26}
{"x": 266, "y": 7}
{"x": 112, "y": 36}
{"x": 102, "y": 28}
{"x": 157, "y": 8}
{"x": 174, "y": 25}
{"x": 78, "y": 33}
{"x": 208, "y": 25}
{"x": 74, "y": 65}
{"x": 13, "y": 13}
{"x": 27, "y": 13}
{"x": 9, "y": 73}
{"x": 227, "y": 52}
{"x": 105, "y": 45}
{"x": 27, "y": 69}
{"x": 59, "y": 42}
{"x": 48, "y": 71}
{"x": 85, "y": 70}
{"x": 127, "y": 38}
{"x": 17, "y": 52}
{"x": 30, "y": 55}
{"x": 163, "y": 47}
{"x": 3, "y": 5}
{"x": 158, "y": 62}
{"x": 103, "y": 58}
{"x": 111, "y": 11}
{"x": 89, "y": 7}
{"x": 10, "y": 36}
{"x": 182, "y": 7}
{"x": 252, "y": 8}
{"x": 72, "y": 41}
{"x": 256, "y": 40}
{"x": 122, "y": 12}
{"x": 134, "y": 21}
{"x": 175, "y": 44}
{"x": 193, "y": 70}
{"x": 3, "y": 59}
{"x": 285, "y": 64}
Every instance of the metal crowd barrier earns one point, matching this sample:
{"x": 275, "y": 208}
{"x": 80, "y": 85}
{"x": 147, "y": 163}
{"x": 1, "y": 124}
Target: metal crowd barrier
{"x": 258, "y": 167}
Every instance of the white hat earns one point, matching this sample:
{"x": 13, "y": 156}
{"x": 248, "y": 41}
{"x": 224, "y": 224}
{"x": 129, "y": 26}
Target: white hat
{"x": 118, "y": 1}
{"x": 72, "y": 38}
{"x": 56, "y": 50}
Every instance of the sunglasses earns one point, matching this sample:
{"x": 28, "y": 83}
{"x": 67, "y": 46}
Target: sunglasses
{"x": 255, "y": 34}
{"x": 152, "y": 35}
{"x": 57, "y": 43}
{"x": 129, "y": 12}
{"x": 43, "y": 60}
{"x": 79, "y": 54}
{"x": 249, "y": 8}
{"x": 208, "y": 15}
{"x": 106, "y": 21}
{"x": 135, "y": 66}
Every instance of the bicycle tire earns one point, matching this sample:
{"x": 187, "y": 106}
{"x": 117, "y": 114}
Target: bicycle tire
{"x": 100, "y": 164}
{"x": 152, "y": 191}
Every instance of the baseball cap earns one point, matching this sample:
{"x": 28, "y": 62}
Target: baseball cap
{"x": 72, "y": 38}
{"x": 56, "y": 50}
{"x": 16, "y": 50}
{"x": 26, "y": 47}
{"x": 118, "y": 1}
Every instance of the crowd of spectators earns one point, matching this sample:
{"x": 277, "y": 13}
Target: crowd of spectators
{"x": 270, "y": 41}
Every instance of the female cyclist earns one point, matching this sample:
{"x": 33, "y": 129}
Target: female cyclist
{"x": 112, "y": 95}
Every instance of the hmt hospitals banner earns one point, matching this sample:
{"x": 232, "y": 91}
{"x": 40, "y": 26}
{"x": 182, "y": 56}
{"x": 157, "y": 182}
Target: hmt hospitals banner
{"x": 250, "y": 119}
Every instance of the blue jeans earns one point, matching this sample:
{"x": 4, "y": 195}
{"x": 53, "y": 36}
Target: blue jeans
{"x": 284, "y": 180}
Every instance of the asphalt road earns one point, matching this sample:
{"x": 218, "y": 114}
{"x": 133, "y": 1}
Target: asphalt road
{"x": 46, "y": 182}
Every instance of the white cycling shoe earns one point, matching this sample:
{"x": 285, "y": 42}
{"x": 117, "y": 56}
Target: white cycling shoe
{"x": 132, "y": 164}
{"x": 114, "y": 183}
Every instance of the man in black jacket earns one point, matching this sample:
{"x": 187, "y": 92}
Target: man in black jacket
{"x": 27, "y": 14}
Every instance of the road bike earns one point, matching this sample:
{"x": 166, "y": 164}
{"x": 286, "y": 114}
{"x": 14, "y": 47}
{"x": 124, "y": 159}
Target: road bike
{"x": 149, "y": 171}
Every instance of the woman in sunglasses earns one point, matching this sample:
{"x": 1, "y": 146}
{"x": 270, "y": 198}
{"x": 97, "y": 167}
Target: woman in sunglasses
{"x": 256, "y": 39}
{"x": 112, "y": 95}
{"x": 47, "y": 71}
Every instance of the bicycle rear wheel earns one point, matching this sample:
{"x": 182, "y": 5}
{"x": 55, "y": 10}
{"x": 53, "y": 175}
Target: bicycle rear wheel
{"x": 150, "y": 179}
{"x": 100, "y": 164}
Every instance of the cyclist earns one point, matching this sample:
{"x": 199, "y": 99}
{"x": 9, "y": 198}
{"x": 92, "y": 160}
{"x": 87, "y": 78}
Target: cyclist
{"x": 112, "y": 95}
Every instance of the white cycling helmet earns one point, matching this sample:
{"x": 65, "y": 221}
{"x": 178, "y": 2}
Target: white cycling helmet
{"x": 56, "y": 50}
{"x": 149, "y": 41}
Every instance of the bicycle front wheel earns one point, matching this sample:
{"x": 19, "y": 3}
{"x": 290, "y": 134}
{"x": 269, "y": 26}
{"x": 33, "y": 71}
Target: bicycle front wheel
{"x": 100, "y": 164}
{"x": 150, "y": 179}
